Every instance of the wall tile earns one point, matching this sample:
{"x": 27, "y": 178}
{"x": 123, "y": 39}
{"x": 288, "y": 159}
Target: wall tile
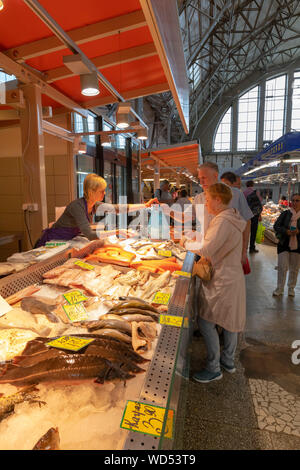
{"x": 61, "y": 166}
{"x": 12, "y": 222}
{"x": 10, "y": 185}
{"x": 49, "y": 165}
{"x": 9, "y": 166}
{"x": 50, "y": 185}
{"x": 61, "y": 185}
{"x": 12, "y": 203}
{"x": 62, "y": 200}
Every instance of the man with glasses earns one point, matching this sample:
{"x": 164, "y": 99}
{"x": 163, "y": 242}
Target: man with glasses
{"x": 287, "y": 229}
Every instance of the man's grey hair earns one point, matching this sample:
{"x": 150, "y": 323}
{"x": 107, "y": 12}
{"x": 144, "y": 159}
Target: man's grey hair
{"x": 164, "y": 182}
{"x": 211, "y": 165}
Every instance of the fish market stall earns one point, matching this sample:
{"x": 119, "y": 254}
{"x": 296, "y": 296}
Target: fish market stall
{"x": 270, "y": 214}
{"x": 53, "y": 394}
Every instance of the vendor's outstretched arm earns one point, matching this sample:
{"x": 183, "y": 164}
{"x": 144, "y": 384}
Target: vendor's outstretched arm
{"x": 177, "y": 215}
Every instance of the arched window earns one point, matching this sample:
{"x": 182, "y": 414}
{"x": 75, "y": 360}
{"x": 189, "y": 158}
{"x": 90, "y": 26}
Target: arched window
{"x": 274, "y": 108}
{"x": 247, "y": 120}
{"x": 223, "y": 135}
{"x": 295, "y": 124}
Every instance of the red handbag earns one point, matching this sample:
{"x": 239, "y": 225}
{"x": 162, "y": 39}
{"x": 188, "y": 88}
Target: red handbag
{"x": 246, "y": 267}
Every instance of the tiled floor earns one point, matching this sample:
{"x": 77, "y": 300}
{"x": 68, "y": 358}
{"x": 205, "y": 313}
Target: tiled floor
{"x": 259, "y": 406}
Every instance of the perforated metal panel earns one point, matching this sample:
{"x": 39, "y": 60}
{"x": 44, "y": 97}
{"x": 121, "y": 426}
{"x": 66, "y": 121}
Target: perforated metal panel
{"x": 34, "y": 274}
{"x": 160, "y": 374}
{"x": 31, "y": 275}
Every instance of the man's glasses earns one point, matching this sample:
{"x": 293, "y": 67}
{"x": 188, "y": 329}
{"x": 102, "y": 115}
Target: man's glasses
{"x": 295, "y": 200}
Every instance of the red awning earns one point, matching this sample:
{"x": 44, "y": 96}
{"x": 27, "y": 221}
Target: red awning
{"x": 121, "y": 38}
{"x": 175, "y": 158}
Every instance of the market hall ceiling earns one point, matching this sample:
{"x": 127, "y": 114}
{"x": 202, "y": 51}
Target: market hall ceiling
{"x": 128, "y": 42}
{"x": 225, "y": 44}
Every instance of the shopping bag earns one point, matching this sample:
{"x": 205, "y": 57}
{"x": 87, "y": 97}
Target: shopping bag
{"x": 203, "y": 269}
{"x": 260, "y": 234}
{"x": 246, "y": 267}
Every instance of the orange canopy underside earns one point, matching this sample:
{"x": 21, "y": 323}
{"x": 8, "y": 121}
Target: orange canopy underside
{"x": 19, "y": 26}
{"x": 185, "y": 156}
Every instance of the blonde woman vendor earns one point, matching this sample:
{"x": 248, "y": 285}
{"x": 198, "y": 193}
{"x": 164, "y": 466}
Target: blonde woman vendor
{"x": 224, "y": 301}
{"x": 79, "y": 214}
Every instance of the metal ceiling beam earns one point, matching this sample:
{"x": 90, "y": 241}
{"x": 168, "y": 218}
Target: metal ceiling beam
{"x": 208, "y": 33}
{"x": 44, "y": 16}
{"x": 25, "y": 75}
{"x": 80, "y": 35}
{"x": 106, "y": 61}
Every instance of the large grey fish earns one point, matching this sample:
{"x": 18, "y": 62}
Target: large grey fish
{"x": 142, "y": 305}
{"x": 136, "y": 311}
{"x": 40, "y": 306}
{"x": 115, "y": 324}
{"x": 64, "y": 369}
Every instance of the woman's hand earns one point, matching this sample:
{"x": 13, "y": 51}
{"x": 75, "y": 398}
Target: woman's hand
{"x": 152, "y": 202}
{"x": 292, "y": 232}
{"x": 182, "y": 241}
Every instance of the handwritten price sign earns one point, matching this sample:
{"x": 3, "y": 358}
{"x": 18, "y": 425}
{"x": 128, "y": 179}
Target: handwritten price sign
{"x": 165, "y": 253}
{"x": 161, "y": 298}
{"x": 72, "y": 343}
{"x": 171, "y": 320}
{"x": 83, "y": 265}
{"x": 76, "y": 312}
{"x": 147, "y": 419}
{"x": 74, "y": 297}
{"x": 183, "y": 273}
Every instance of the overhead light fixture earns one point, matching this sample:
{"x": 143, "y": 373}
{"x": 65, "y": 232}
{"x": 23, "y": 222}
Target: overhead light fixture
{"x": 89, "y": 84}
{"x": 105, "y": 140}
{"x": 291, "y": 160}
{"x": 1, "y": 5}
{"x": 82, "y": 147}
{"x": 122, "y": 121}
{"x": 142, "y": 134}
{"x": 122, "y": 115}
{"x": 266, "y": 165}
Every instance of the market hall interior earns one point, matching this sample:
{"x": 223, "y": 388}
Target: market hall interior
{"x": 258, "y": 407}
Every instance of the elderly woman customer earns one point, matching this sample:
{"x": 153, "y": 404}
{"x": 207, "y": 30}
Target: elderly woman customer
{"x": 287, "y": 229}
{"x": 224, "y": 302}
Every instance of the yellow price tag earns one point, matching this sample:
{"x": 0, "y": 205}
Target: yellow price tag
{"x": 72, "y": 343}
{"x": 171, "y": 320}
{"x": 165, "y": 253}
{"x": 147, "y": 419}
{"x": 183, "y": 273}
{"x": 74, "y": 297}
{"x": 76, "y": 312}
{"x": 161, "y": 298}
{"x": 83, "y": 265}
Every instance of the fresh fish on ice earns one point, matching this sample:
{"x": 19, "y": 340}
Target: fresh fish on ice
{"x": 49, "y": 441}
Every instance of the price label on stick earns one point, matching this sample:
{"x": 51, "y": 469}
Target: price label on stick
{"x": 165, "y": 253}
{"x": 72, "y": 343}
{"x": 147, "y": 419}
{"x": 74, "y": 297}
{"x": 161, "y": 298}
{"x": 76, "y": 312}
{"x": 83, "y": 265}
{"x": 171, "y": 320}
{"x": 183, "y": 273}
